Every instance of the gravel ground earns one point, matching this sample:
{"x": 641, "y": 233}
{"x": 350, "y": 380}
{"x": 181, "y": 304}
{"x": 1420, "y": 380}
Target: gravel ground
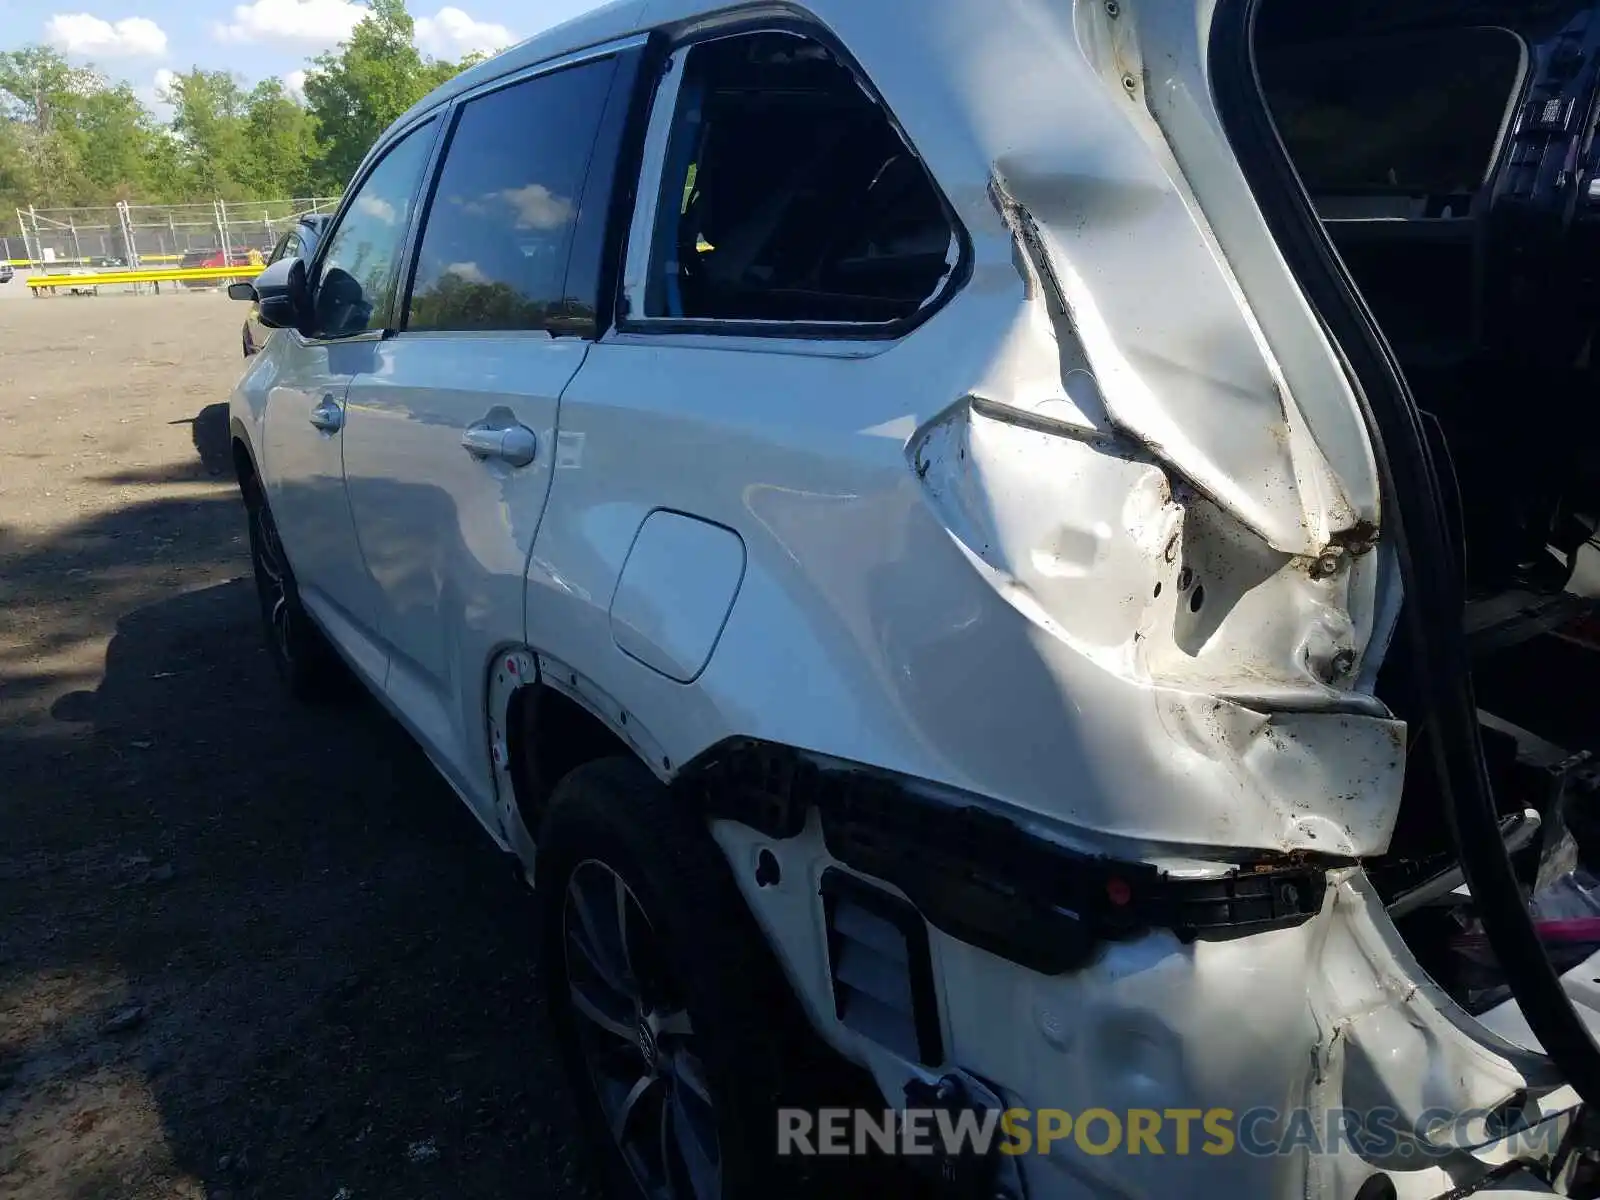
{"x": 246, "y": 949}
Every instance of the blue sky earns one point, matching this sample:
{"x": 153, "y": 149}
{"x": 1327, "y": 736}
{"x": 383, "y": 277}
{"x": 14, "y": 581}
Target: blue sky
{"x": 142, "y": 41}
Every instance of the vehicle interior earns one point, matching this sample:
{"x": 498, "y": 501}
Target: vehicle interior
{"x": 799, "y": 202}
{"x": 1447, "y": 147}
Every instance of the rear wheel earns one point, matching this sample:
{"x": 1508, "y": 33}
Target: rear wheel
{"x": 308, "y": 665}
{"x": 664, "y": 994}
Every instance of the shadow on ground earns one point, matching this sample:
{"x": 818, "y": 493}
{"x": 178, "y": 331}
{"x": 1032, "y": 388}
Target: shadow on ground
{"x": 271, "y": 925}
{"x": 213, "y": 453}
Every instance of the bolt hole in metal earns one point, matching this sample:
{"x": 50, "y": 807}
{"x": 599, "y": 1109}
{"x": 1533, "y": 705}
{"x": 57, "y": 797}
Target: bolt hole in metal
{"x": 637, "y": 1039}
{"x": 1185, "y": 578}
{"x": 1130, "y": 83}
{"x": 1197, "y": 599}
{"x": 1113, "y": 9}
{"x": 1157, "y": 592}
{"x": 768, "y": 872}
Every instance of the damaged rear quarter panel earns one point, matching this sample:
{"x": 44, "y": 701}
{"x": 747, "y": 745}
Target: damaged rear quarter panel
{"x": 1176, "y": 629}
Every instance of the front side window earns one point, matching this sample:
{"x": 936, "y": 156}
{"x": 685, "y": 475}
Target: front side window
{"x": 288, "y": 247}
{"x": 357, "y": 276}
{"x": 498, "y": 233}
{"x": 788, "y": 195}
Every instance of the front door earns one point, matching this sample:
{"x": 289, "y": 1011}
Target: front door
{"x": 452, "y": 431}
{"x": 307, "y": 375}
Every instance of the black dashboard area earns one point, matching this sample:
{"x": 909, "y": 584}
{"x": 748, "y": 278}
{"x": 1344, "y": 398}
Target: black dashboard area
{"x": 1449, "y": 150}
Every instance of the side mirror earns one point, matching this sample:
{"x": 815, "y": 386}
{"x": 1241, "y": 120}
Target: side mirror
{"x": 280, "y": 294}
{"x": 241, "y": 291}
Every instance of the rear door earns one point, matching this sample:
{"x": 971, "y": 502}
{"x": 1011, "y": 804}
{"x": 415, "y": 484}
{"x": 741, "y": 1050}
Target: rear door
{"x": 306, "y": 375}
{"x": 452, "y": 427}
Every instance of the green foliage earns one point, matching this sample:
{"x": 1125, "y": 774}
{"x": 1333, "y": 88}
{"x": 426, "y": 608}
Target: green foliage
{"x": 66, "y": 135}
{"x": 454, "y": 301}
{"x": 69, "y": 137}
{"x": 354, "y": 93}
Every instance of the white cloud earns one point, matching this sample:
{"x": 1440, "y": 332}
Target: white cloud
{"x": 451, "y": 33}
{"x": 301, "y": 23}
{"x": 377, "y": 208}
{"x": 467, "y": 272}
{"x": 537, "y": 207}
{"x": 295, "y": 81}
{"x": 80, "y": 33}
{"x": 157, "y": 94}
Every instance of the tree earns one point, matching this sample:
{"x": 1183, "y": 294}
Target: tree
{"x": 281, "y": 138}
{"x": 357, "y": 91}
{"x": 40, "y": 95}
{"x": 69, "y": 137}
{"x": 209, "y": 109}
{"x": 36, "y": 82}
{"x": 119, "y": 145}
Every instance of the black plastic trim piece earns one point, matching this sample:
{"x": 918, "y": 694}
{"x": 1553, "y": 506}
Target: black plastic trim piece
{"x": 594, "y": 266}
{"x": 981, "y": 877}
{"x": 1416, "y": 523}
{"x": 839, "y": 885}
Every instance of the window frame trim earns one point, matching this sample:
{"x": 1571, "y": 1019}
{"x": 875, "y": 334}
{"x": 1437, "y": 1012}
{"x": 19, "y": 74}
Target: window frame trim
{"x": 658, "y": 137}
{"x": 612, "y": 49}
{"x": 374, "y": 158}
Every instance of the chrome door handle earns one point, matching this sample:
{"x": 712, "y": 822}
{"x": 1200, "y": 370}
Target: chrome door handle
{"x": 515, "y": 445}
{"x": 327, "y": 415}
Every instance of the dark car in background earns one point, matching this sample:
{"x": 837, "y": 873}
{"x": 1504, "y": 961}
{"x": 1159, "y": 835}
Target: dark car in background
{"x": 299, "y": 242}
{"x": 6, "y": 272}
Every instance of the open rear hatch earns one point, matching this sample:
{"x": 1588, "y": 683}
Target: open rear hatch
{"x": 1448, "y": 152}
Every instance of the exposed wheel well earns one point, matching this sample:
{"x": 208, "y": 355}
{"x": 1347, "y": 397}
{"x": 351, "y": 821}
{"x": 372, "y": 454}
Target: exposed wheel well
{"x": 551, "y": 735}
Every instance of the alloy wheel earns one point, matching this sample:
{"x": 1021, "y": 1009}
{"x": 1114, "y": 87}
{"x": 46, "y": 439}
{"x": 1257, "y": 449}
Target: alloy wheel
{"x": 637, "y": 1040}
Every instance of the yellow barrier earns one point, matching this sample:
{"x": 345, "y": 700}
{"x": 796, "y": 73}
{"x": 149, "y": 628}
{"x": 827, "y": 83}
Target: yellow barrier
{"x": 98, "y": 278}
{"x": 31, "y": 262}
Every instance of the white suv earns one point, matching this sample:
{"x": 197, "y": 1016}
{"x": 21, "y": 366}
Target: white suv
{"x": 901, "y": 520}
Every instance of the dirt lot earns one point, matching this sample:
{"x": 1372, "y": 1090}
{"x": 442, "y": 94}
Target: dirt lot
{"x": 245, "y": 949}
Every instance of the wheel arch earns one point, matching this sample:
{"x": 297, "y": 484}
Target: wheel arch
{"x": 244, "y": 457}
{"x": 545, "y": 720}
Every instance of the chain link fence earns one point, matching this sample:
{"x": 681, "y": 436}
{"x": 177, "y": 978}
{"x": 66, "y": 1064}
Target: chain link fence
{"x": 219, "y": 233}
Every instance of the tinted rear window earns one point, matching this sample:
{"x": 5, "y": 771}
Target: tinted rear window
{"x": 497, "y": 236}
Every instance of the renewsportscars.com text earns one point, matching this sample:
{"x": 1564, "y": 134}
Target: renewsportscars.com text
{"x": 1260, "y": 1132}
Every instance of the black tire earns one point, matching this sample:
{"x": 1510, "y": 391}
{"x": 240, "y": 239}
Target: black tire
{"x": 309, "y": 667}
{"x": 692, "y": 949}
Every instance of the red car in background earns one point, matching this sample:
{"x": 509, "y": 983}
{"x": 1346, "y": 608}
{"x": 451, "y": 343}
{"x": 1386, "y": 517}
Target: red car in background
{"x": 212, "y": 258}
